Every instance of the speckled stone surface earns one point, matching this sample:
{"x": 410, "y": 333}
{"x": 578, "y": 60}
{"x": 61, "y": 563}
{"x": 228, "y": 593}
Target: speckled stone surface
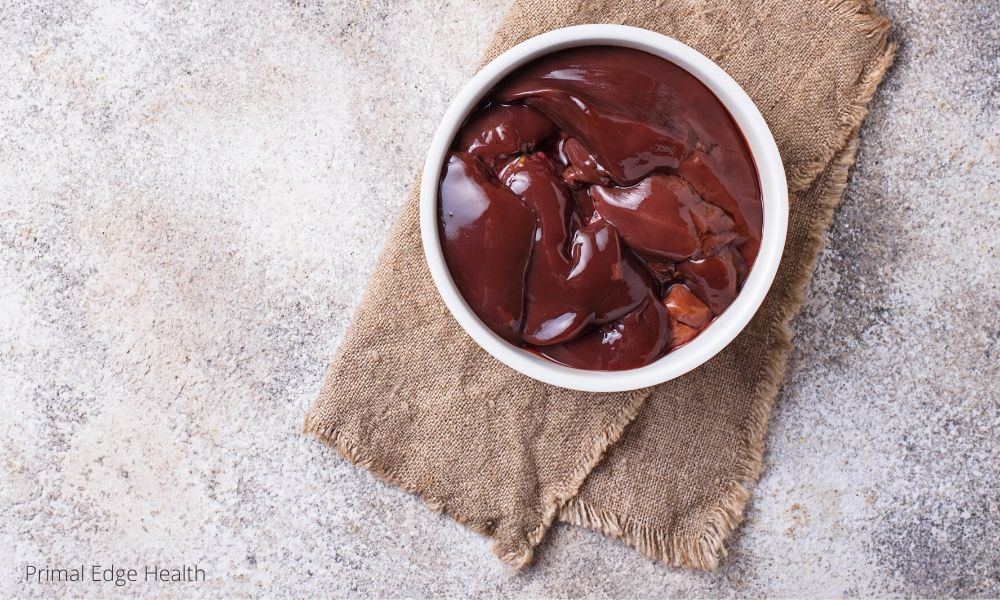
{"x": 192, "y": 200}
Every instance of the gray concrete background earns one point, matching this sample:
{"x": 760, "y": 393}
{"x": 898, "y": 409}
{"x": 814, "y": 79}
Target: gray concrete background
{"x": 192, "y": 200}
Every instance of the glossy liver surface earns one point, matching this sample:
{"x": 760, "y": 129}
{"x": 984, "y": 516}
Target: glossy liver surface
{"x": 600, "y": 208}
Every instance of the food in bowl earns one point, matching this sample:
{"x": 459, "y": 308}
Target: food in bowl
{"x": 600, "y": 208}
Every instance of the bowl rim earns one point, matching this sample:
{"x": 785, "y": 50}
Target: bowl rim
{"x": 770, "y": 172}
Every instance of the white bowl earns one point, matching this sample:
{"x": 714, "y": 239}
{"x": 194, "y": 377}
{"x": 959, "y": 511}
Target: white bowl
{"x": 773, "y": 190}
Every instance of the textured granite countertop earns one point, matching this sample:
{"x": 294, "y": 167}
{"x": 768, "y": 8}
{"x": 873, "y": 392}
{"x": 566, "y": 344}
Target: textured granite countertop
{"x": 193, "y": 198}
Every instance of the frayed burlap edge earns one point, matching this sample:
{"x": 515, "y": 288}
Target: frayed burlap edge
{"x": 862, "y": 15}
{"x": 552, "y": 505}
{"x": 705, "y": 549}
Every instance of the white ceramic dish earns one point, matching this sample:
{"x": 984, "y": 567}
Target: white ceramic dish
{"x": 773, "y": 189}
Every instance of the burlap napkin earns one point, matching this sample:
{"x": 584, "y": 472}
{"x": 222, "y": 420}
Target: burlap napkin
{"x": 412, "y": 398}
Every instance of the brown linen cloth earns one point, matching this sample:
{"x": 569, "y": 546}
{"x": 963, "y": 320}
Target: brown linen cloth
{"x": 412, "y": 398}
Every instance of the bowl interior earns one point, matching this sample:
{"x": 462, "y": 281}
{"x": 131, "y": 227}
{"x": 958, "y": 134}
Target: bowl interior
{"x": 770, "y": 172}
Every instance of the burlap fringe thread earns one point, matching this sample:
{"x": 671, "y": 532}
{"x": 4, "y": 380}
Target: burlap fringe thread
{"x": 861, "y": 14}
{"x": 705, "y": 549}
{"x": 552, "y": 504}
